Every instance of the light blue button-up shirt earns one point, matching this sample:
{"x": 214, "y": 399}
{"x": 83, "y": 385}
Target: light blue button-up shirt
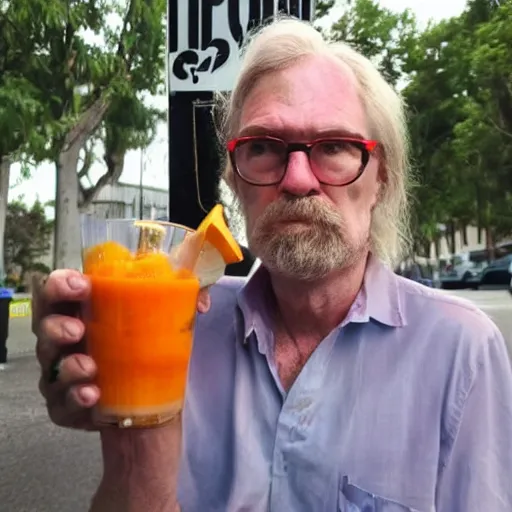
{"x": 406, "y": 406}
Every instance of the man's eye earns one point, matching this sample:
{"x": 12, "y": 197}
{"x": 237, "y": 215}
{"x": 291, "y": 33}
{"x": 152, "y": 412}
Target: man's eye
{"x": 333, "y": 147}
{"x": 258, "y": 148}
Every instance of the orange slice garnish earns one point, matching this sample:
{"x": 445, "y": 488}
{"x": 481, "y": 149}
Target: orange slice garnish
{"x": 217, "y": 233}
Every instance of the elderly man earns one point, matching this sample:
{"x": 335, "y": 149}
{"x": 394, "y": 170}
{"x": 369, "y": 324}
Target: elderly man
{"x": 326, "y": 382}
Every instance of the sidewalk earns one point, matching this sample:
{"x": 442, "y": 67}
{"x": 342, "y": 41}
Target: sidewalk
{"x": 21, "y": 340}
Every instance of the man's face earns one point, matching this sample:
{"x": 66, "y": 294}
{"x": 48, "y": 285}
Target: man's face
{"x": 301, "y": 228}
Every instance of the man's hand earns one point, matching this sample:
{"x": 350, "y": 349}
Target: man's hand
{"x": 57, "y": 324}
{"x": 60, "y": 331}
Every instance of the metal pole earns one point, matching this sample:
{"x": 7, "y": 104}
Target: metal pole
{"x": 141, "y": 185}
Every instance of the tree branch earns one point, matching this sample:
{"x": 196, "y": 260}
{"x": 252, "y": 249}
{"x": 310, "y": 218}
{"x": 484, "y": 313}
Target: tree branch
{"x": 87, "y": 124}
{"x": 87, "y": 162}
{"x": 498, "y": 128}
{"x": 121, "y": 49}
{"x": 69, "y": 31}
{"x": 115, "y": 165}
{"x": 92, "y": 117}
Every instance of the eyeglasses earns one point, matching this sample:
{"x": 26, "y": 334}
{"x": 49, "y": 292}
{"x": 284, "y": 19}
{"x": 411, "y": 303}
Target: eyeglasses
{"x": 336, "y": 161}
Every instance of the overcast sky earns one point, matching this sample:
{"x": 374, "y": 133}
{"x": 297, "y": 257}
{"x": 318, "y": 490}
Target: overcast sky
{"x": 42, "y": 184}
{"x": 426, "y": 9}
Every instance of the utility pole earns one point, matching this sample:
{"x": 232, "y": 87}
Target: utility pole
{"x": 204, "y": 39}
{"x": 141, "y": 185}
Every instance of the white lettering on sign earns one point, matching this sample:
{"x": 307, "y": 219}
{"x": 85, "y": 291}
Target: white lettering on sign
{"x": 205, "y": 37}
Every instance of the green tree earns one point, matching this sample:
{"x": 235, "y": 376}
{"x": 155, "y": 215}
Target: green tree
{"x": 84, "y": 86}
{"x": 27, "y": 235}
{"x": 484, "y": 138}
{"x": 461, "y": 107}
{"x": 128, "y": 124}
{"x": 91, "y": 79}
{"x": 455, "y": 77}
{"x": 323, "y": 7}
{"x": 379, "y": 33}
{"x": 22, "y": 115}
{"x": 436, "y": 99}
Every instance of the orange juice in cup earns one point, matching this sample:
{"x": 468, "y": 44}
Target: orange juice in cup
{"x": 140, "y": 318}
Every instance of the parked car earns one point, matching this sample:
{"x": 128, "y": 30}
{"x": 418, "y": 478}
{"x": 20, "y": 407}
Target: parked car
{"x": 497, "y": 273}
{"x": 463, "y": 271}
{"x": 415, "y": 272}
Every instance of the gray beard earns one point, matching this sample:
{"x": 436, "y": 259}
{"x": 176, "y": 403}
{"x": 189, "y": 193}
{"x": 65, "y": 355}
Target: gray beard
{"x": 309, "y": 254}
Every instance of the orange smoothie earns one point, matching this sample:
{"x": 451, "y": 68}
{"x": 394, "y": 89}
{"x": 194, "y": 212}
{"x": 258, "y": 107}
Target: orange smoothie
{"x": 139, "y": 328}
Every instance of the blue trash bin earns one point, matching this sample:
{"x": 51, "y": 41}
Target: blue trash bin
{"x": 6, "y": 295}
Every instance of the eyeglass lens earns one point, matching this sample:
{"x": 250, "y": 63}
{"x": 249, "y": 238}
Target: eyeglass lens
{"x": 264, "y": 161}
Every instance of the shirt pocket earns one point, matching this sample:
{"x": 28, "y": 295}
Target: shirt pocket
{"x": 355, "y": 499}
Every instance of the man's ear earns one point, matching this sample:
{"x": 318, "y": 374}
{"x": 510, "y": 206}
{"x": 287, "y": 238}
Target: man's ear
{"x": 382, "y": 182}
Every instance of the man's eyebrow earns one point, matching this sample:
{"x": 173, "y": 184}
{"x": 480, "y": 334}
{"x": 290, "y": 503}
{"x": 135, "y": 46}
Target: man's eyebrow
{"x": 339, "y": 132}
{"x": 256, "y": 130}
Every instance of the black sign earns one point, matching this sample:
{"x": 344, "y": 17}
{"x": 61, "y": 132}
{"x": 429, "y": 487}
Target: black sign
{"x": 205, "y": 37}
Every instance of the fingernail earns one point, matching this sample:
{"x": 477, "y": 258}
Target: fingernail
{"x": 72, "y": 330}
{"x": 87, "y": 395}
{"x": 86, "y": 365}
{"x": 76, "y": 283}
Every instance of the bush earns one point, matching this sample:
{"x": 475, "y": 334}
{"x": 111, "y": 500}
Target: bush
{"x": 40, "y": 267}
{"x": 12, "y": 281}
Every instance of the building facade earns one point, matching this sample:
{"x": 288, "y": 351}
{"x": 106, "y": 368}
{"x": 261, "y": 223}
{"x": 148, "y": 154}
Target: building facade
{"x": 125, "y": 201}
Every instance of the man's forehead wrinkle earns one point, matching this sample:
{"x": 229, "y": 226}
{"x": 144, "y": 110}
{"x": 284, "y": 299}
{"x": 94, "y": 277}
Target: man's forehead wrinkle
{"x": 290, "y": 124}
{"x": 317, "y": 97}
{"x": 294, "y": 118}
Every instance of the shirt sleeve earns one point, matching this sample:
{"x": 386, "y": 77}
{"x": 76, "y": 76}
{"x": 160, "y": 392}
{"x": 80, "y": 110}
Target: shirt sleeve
{"x": 477, "y": 474}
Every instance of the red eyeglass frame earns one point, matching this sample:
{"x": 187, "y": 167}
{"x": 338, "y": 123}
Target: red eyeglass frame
{"x": 367, "y": 147}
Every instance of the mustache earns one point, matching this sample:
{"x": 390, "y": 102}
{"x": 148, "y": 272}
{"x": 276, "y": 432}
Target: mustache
{"x": 301, "y": 209}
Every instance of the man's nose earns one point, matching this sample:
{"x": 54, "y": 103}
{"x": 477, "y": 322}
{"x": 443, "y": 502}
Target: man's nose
{"x": 299, "y": 179}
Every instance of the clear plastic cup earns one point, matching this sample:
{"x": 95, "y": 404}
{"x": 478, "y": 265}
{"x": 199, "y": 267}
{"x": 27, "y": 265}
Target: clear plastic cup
{"x": 140, "y": 318}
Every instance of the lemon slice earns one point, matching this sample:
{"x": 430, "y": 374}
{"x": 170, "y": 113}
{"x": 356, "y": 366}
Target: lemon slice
{"x": 186, "y": 254}
{"x": 217, "y": 233}
{"x": 210, "y": 266}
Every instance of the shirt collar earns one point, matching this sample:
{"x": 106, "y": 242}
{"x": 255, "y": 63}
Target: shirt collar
{"x": 378, "y": 299}
{"x": 384, "y": 303}
{"x": 253, "y": 301}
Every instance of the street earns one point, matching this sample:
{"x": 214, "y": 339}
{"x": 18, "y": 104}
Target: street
{"x": 49, "y": 469}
